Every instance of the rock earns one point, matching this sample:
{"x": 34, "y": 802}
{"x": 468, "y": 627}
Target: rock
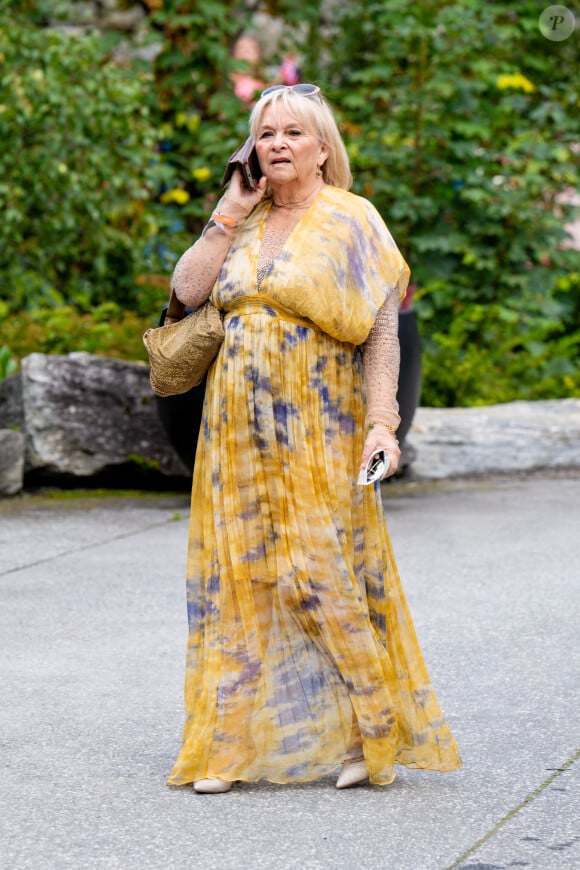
{"x": 85, "y": 16}
{"x": 89, "y": 417}
{"x": 93, "y": 420}
{"x": 127, "y": 20}
{"x": 513, "y": 437}
{"x": 11, "y": 461}
{"x": 82, "y": 13}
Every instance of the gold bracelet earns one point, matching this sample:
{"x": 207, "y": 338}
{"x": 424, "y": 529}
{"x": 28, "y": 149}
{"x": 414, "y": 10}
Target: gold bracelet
{"x": 392, "y": 429}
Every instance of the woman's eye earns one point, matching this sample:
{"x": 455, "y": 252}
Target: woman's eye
{"x": 266, "y": 134}
{"x": 295, "y": 133}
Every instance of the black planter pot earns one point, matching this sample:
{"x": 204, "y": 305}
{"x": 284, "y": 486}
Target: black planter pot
{"x": 409, "y": 391}
{"x": 181, "y": 415}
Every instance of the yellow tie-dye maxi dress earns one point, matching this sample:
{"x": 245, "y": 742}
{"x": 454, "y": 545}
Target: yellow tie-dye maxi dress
{"x": 300, "y": 640}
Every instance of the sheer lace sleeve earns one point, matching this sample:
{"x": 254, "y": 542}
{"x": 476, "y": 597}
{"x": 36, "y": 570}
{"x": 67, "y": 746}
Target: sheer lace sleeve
{"x": 197, "y": 270}
{"x": 381, "y": 356}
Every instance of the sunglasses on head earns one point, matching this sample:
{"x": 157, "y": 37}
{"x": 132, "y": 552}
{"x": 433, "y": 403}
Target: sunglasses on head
{"x": 305, "y": 89}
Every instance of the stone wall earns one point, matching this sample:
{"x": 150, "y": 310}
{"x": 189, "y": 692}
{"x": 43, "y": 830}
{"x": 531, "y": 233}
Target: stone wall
{"x": 128, "y": 19}
{"x": 104, "y": 15}
{"x": 131, "y": 20}
{"x": 82, "y": 420}
{"x": 496, "y": 439}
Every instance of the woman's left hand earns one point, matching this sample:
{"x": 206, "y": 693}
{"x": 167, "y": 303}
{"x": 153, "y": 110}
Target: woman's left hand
{"x": 381, "y": 438}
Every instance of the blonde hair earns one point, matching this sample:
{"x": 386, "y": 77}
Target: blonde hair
{"x": 317, "y": 116}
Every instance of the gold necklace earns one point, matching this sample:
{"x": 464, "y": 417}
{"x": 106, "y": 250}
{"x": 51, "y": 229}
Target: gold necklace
{"x": 290, "y": 206}
{"x": 295, "y": 206}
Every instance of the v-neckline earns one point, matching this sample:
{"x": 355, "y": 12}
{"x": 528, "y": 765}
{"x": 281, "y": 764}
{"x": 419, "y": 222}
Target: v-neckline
{"x": 262, "y": 232}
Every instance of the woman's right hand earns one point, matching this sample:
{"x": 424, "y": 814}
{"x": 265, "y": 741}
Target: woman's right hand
{"x": 238, "y": 200}
{"x": 198, "y": 268}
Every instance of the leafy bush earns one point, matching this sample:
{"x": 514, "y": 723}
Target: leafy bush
{"x": 107, "y": 331}
{"x": 8, "y": 364}
{"x": 202, "y": 121}
{"x": 460, "y": 121}
{"x": 76, "y": 167}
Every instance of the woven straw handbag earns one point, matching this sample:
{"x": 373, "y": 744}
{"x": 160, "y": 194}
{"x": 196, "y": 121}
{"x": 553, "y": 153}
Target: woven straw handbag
{"x": 182, "y": 350}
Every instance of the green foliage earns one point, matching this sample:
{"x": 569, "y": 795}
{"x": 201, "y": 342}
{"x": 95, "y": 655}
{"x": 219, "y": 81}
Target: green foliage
{"x": 76, "y": 164}
{"x": 202, "y": 119}
{"x": 142, "y": 463}
{"x": 37, "y": 12}
{"x": 8, "y": 364}
{"x": 107, "y": 331}
{"x": 460, "y": 121}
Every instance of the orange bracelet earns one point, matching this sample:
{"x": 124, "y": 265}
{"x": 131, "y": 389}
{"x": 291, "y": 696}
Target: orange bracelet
{"x": 224, "y": 219}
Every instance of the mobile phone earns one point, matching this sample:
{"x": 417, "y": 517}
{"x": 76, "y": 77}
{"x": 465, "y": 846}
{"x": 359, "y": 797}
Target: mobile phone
{"x": 246, "y": 160}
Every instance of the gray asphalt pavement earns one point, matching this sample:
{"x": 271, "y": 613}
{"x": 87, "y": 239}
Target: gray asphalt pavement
{"x": 92, "y": 619}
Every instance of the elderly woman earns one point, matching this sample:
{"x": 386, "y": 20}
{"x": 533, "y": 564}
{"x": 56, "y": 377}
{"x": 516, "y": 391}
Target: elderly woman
{"x": 302, "y": 657}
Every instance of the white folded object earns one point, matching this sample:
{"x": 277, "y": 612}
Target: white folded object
{"x": 376, "y": 468}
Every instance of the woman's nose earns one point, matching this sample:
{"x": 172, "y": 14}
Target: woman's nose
{"x": 279, "y": 140}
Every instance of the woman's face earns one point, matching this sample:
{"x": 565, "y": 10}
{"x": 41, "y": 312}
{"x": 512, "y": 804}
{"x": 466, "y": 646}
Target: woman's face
{"x": 288, "y": 153}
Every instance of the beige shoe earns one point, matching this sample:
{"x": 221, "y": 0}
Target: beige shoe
{"x": 211, "y": 786}
{"x": 352, "y": 773}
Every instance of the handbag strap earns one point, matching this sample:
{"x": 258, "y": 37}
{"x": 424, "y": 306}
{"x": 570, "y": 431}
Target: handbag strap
{"x": 175, "y": 309}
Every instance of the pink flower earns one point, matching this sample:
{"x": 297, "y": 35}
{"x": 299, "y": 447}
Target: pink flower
{"x": 289, "y": 72}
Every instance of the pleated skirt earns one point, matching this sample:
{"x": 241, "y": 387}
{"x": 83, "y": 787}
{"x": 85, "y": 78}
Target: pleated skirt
{"x": 301, "y": 649}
